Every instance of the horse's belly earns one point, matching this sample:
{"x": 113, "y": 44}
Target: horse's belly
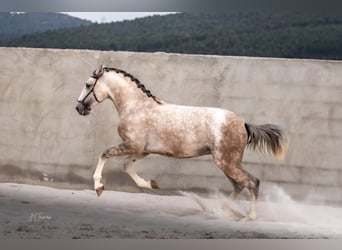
{"x": 172, "y": 152}
{"x": 178, "y": 146}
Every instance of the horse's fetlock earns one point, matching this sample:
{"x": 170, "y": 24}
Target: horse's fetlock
{"x": 97, "y": 177}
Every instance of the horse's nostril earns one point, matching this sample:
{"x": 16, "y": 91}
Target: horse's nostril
{"x": 77, "y": 109}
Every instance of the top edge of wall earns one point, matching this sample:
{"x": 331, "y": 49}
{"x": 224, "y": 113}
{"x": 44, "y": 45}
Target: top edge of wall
{"x": 176, "y": 54}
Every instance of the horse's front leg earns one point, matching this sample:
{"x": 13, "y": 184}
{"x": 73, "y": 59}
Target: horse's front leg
{"x": 122, "y": 149}
{"x": 140, "y": 182}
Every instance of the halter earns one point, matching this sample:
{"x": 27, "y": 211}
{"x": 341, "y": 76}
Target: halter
{"x": 92, "y": 90}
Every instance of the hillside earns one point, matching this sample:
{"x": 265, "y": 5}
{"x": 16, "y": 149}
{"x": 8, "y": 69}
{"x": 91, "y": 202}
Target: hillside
{"x": 289, "y": 35}
{"x": 17, "y": 24}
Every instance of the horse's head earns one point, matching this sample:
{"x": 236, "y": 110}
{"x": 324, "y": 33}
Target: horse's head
{"x": 93, "y": 92}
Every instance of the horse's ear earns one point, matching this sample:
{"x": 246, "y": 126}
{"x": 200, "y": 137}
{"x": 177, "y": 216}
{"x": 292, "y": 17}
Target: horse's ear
{"x": 101, "y": 70}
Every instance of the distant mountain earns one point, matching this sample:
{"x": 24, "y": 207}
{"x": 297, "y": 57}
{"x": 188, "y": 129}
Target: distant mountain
{"x": 265, "y": 34}
{"x": 18, "y": 24}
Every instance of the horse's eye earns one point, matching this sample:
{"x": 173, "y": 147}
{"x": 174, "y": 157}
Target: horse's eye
{"x": 88, "y": 85}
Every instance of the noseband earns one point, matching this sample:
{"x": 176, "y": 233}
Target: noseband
{"x": 91, "y": 91}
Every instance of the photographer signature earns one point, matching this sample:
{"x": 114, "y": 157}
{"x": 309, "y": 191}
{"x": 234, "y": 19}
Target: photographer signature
{"x": 38, "y": 217}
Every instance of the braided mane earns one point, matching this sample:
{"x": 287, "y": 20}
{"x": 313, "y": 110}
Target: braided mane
{"x": 133, "y": 79}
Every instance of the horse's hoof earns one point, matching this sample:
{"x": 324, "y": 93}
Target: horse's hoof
{"x": 99, "y": 190}
{"x": 245, "y": 219}
{"x": 248, "y": 218}
{"x": 154, "y": 184}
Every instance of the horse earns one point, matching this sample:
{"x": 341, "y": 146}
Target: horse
{"x": 149, "y": 125}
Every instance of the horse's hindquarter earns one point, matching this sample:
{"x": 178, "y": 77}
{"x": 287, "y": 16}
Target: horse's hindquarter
{"x": 183, "y": 131}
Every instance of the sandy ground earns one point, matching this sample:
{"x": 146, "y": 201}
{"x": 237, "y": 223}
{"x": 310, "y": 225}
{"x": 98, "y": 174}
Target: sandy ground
{"x": 28, "y": 211}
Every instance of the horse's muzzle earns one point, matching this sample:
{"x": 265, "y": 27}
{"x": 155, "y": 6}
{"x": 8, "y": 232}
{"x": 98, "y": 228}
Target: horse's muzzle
{"x": 81, "y": 109}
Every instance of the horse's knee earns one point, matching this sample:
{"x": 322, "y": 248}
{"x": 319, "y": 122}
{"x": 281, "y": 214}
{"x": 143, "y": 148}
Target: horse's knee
{"x": 128, "y": 164}
{"x": 105, "y": 155}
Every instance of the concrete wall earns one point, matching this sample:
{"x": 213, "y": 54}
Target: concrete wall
{"x": 43, "y": 139}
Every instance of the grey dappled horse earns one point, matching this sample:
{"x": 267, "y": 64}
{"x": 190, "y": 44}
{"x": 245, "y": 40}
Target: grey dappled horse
{"x": 148, "y": 125}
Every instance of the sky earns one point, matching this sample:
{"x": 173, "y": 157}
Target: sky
{"x": 107, "y": 17}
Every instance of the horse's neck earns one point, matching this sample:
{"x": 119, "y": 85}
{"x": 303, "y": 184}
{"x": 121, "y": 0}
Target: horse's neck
{"x": 125, "y": 95}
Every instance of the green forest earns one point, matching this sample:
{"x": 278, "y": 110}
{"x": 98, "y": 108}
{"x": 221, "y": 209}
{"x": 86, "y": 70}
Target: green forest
{"x": 266, "y": 34}
{"x": 18, "y": 24}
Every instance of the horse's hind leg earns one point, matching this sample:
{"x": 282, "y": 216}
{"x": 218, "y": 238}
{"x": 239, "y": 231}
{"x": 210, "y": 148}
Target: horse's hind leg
{"x": 241, "y": 179}
{"x": 253, "y": 188}
{"x": 128, "y": 167}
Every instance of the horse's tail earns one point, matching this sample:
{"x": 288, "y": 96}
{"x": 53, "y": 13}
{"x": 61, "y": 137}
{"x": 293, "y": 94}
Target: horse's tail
{"x": 268, "y": 139}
